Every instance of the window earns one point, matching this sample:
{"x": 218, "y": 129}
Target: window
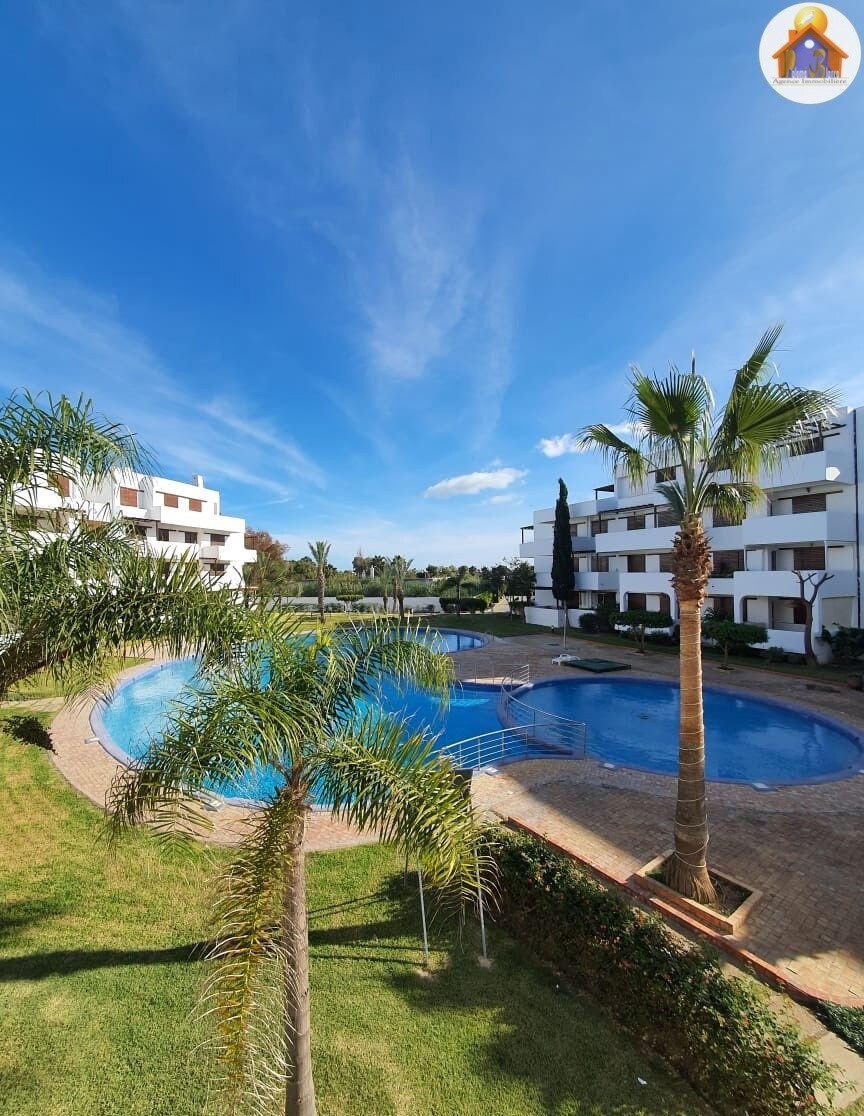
{"x": 217, "y": 569}
{"x": 128, "y": 497}
{"x": 661, "y": 475}
{"x": 636, "y": 600}
{"x": 217, "y": 540}
{"x": 635, "y": 563}
{"x": 195, "y": 505}
{"x": 169, "y": 500}
{"x": 140, "y": 530}
{"x": 808, "y": 558}
{"x": 815, "y": 444}
{"x": 666, "y": 517}
{"x": 718, "y": 519}
{"x": 61, "y": 483}
{"x": 190, "y": 537}
{"x": 599, "y": 526}
{"x": 811, "y": 502}
{"x": 601, "y": 563}
{"x": 666, "y": 561}
{"x": 722, "y": 607}
{"x": 162, "y": 534}
{"x": 726, "y": 562}
{"x": 635, "y": 522}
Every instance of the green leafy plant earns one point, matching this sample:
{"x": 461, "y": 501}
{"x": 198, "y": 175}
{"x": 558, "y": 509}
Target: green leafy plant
{"x": 719, "y": 1032}
{"x": 638, "y": 620}
{"x": 728, "y": 634}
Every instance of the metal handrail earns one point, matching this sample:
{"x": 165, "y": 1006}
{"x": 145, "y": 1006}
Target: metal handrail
{"x": 548, "y": 729}
{"x": 476, "y": 752}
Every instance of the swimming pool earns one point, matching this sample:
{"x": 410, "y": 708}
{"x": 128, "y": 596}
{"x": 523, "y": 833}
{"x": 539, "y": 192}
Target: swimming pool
{"x": 634, "y": 723}
{"x": 140, "y": 707}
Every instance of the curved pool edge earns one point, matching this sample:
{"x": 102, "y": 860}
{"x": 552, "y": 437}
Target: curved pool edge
{"x": 845, "y": 729}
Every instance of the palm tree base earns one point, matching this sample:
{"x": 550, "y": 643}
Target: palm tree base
{"x": 692, "y": 883}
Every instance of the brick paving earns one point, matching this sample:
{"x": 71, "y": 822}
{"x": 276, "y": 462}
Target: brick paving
{"x": 801, "y": 846}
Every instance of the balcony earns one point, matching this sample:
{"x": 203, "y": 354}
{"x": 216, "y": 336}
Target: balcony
{"x": 648, "y": 540}
{"x": 779, "y": 583}
{"x": 806, "y": 527}
{"x": 602, "y": 582}
{"x": 813, "y": 468}
{"x": 186, "y": 520}
{"x": 231, "y": 555}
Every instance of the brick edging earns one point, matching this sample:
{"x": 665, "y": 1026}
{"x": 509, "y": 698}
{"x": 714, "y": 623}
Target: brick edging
{"x": 767, "y": 972}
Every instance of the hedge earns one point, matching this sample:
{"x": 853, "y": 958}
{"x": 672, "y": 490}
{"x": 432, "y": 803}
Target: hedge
{"x": 719, "y": 1032}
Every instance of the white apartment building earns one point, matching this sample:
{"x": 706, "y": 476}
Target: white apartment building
{"x": 810, "y": 521}
{"x": 170, "y": 517}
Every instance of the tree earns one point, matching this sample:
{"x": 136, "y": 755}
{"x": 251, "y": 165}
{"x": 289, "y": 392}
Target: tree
{"x": 493, "y": 580}
{"x": 399, "y": 569}
{"x": 728, "y": 634}
{"x": 298, "y": 716}
{"x": 74, "y": 593}
{"x": 637, "y": 620}
{"x": 521, "y": 578}
{"x": 702, "y": 457}
{"x": 808, "y": 590}
{"x": 320, "y": 552}
{"x": 456, "y": 581}
{"x": 268, "y": 573}
{"x": 563, "y": 576}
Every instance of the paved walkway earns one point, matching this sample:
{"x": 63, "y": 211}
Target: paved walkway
{"x": 801, "y": 846}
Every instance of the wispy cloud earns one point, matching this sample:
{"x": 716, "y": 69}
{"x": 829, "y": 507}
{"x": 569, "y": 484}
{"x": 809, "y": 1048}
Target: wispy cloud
{"x": 469, "y": 484}
{"x": 66, "y": 338}
{"x": 430, "y": 294}
{"x": 560, "y": 444}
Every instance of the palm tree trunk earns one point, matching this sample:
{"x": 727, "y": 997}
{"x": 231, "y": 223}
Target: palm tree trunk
{"x": 321, "y": 586}
{"x": 400, "y": 597}
{"x": 687, "y": 870}
{"x": 300, "y": 1087}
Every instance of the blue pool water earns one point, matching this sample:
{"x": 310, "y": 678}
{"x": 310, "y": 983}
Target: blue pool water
{"x": 630, "y": 722}
{"x": 139, "y": 710}
{"x": 747, "y": 740}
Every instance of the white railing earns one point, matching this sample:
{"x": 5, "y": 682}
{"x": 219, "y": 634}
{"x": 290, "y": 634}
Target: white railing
{"x": 489, "y": 748}
{"x": 547, "y": 730}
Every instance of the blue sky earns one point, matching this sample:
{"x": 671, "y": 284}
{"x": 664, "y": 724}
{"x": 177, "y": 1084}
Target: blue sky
{"x": 365, "y": 265}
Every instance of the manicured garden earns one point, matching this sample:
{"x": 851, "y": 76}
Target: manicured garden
{"x": 100, "y": 975}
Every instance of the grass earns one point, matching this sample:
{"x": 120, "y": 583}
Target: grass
{"x": 490, "y": 623}
{"x": 42, "y": 685}
{"x": 99, "y": 973}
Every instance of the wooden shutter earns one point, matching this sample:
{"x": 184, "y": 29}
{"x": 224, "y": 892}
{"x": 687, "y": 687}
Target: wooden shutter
{"x": 169, "y": 500}
{"x": 128, "y": 497}
{"x": 810, "y": 502}
{"x": 809, "y": 557}
{"x": 635, "y": 563}
{"x": 195, "y": 505}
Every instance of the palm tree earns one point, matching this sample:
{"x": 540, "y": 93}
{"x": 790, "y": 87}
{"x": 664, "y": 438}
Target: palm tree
{"x": 320, "y": 552}
{"x": 290, "y": 703}
{"x": 73, "y": 593}
{"x": 399, "y": 569}
{"x": 704, "y": 457}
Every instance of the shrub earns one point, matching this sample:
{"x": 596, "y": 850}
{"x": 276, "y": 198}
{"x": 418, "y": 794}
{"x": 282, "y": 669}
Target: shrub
{"x": 730, "y": 635}
{"x": 847, "y": 1022}
{"x": 465, "y": 604}
{"x": 637, "y": 620}
{"x": 589, "y": 622}
{"x": 775, "y": 655}
{"x": 718, "y": 1031}
{"x": 847, "y": 644}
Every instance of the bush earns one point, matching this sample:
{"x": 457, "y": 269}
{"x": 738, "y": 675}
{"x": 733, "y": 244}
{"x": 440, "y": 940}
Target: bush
{"x": 718, "y": 1031}
{"x": 775, "y": 655}
{"x": 465, "y": 604}
{"x": 589, "y": 622}
{"x": 847, "y": 644}
{"x": 847, "y": 1022}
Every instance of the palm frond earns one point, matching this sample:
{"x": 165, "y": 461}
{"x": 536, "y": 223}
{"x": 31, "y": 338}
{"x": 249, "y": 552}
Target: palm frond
{"x": 671, "y": 408}
{"x": 616, "y": 453}
{"x": 753, "y": 370}
{"x": 732, "y": 499}
{"x": 380, "y": 779}
{"x": 675, "y": 497}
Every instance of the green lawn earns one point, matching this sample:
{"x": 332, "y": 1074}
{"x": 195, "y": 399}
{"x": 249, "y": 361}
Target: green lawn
{"x": 491, "y": 623}
{"x": 42, "y": 685}
{"x": 98, "y": 985}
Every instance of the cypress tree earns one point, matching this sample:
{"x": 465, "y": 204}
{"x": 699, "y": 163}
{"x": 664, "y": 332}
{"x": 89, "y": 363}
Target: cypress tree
{"x": 563, "y": 578}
